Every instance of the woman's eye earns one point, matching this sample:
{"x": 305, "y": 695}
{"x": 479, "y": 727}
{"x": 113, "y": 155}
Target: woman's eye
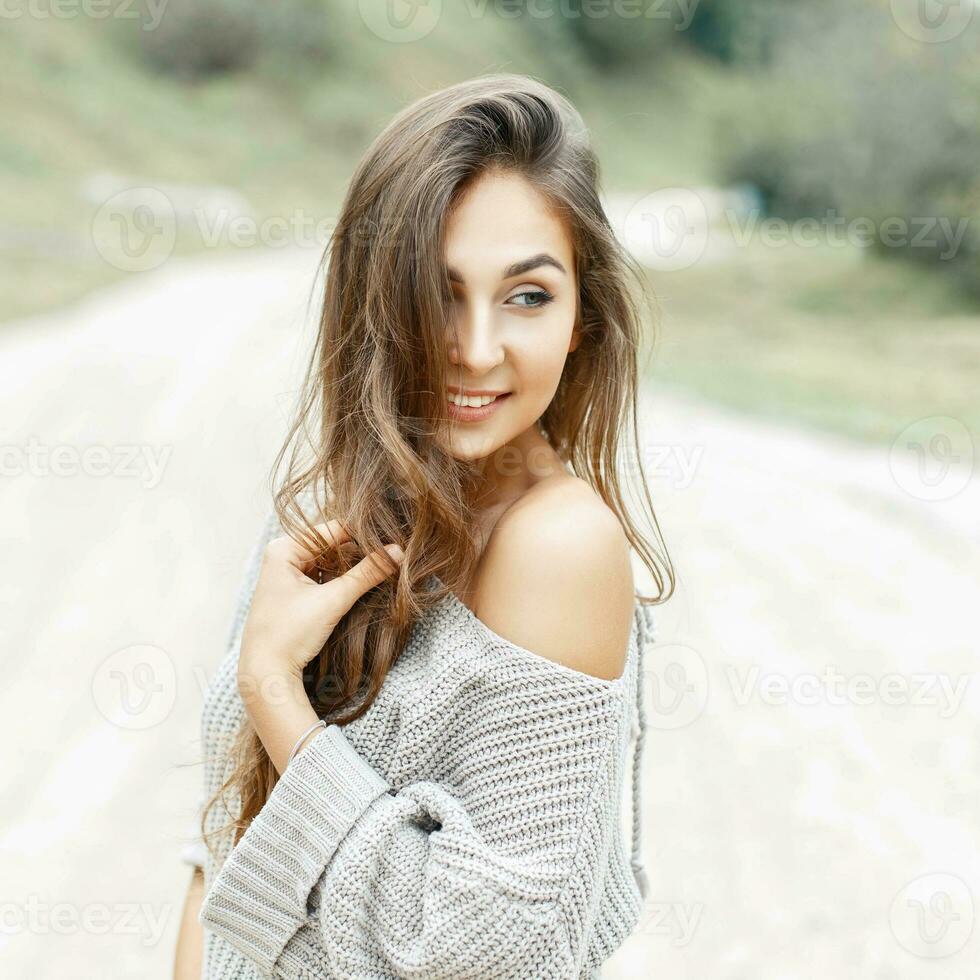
{"x": 542, "y": 297}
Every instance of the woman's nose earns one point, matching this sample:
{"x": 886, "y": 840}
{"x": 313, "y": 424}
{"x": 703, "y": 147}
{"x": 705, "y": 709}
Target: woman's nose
{"x": 476, "y": 347}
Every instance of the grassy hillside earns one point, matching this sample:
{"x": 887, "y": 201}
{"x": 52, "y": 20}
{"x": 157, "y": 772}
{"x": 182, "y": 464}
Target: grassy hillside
{"x": 80, "y": 99}
{"x": 835, "y": 338}
{"x": 840, "y": 339}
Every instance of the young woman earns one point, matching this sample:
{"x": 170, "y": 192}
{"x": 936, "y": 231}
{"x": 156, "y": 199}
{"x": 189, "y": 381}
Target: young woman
{"x": 416, "y": 746}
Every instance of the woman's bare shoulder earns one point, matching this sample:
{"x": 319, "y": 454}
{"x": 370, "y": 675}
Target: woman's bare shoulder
{"x": 556, "y": 578}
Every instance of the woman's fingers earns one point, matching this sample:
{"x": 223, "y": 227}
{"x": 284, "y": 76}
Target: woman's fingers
{"x": 370, "y": 571}
{"x": 335, "y": 533}
{"x": 303, "y": 557}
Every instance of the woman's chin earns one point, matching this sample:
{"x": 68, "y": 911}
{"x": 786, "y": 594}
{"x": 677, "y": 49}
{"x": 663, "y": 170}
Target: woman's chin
{"x": 473, "y": 445}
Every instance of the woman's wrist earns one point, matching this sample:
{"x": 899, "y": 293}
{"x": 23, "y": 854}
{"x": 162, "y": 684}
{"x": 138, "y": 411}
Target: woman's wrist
{"x": 279, "y": 709}
{"x": 257, "y": 676}
{"x": 304, "y": 739}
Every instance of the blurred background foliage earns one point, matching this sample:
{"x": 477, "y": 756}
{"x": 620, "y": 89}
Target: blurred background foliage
{"x": 817, "y": 106}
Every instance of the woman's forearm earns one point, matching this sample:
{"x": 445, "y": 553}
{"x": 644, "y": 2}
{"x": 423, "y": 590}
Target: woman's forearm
{"x": 278, "y": 708}
{"x": 189, "y": 955}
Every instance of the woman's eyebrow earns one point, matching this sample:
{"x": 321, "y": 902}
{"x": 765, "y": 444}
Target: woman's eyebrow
{"x": 518, "y": 268}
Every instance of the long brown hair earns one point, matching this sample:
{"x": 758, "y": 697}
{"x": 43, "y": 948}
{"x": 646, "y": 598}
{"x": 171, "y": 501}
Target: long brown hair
{"x": 365, "y": 442}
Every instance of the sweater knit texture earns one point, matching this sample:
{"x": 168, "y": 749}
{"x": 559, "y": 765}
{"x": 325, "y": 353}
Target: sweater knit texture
{"x": 468, "y": 825}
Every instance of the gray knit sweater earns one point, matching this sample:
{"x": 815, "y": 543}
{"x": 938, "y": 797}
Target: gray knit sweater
{"x": 468, "y": 825}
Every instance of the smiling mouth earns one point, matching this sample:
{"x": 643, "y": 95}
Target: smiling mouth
{"x": 473, "y": 408}
{"x": 473, "y": 401}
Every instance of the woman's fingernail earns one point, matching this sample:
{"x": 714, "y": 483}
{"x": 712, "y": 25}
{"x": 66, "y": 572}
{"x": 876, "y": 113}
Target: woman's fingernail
{"x": 395, "y": 551}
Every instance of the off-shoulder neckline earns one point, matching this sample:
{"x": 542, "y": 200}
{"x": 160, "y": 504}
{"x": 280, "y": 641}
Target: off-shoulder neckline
{"x": 453, "y": 601}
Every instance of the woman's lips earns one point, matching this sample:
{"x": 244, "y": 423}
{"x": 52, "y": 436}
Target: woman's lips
{"x": 461, "y": 413}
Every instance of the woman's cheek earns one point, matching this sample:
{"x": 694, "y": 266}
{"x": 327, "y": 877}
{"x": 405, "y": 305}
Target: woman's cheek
{"x": 538, "y": 358}
{"x": 538, "y": 385}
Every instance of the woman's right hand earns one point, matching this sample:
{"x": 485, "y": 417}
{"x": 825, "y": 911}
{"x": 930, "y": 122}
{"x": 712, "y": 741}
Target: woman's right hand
{"x": 291, "y": 616}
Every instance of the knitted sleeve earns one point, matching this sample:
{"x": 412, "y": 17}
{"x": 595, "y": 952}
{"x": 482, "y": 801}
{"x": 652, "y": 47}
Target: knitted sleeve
{"x": 195, "y": 852}
{"x": 497, "y": 874}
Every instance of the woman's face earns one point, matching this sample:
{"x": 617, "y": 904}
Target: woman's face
{"x": 511, "y": 265}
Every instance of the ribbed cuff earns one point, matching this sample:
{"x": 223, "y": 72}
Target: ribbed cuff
{"x": 259, "y": 896}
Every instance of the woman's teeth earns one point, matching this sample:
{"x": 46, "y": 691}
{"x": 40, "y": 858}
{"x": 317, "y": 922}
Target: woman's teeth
{"x": 471, "y": 401}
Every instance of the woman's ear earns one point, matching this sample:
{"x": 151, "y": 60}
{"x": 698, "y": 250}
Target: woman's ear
{"x": 576, "y": 338}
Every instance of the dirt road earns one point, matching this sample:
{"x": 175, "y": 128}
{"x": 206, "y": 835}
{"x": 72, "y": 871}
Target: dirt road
{"x": 811, "y": 778}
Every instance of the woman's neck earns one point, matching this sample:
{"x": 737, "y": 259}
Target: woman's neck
{"x": 510, "y": 471}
